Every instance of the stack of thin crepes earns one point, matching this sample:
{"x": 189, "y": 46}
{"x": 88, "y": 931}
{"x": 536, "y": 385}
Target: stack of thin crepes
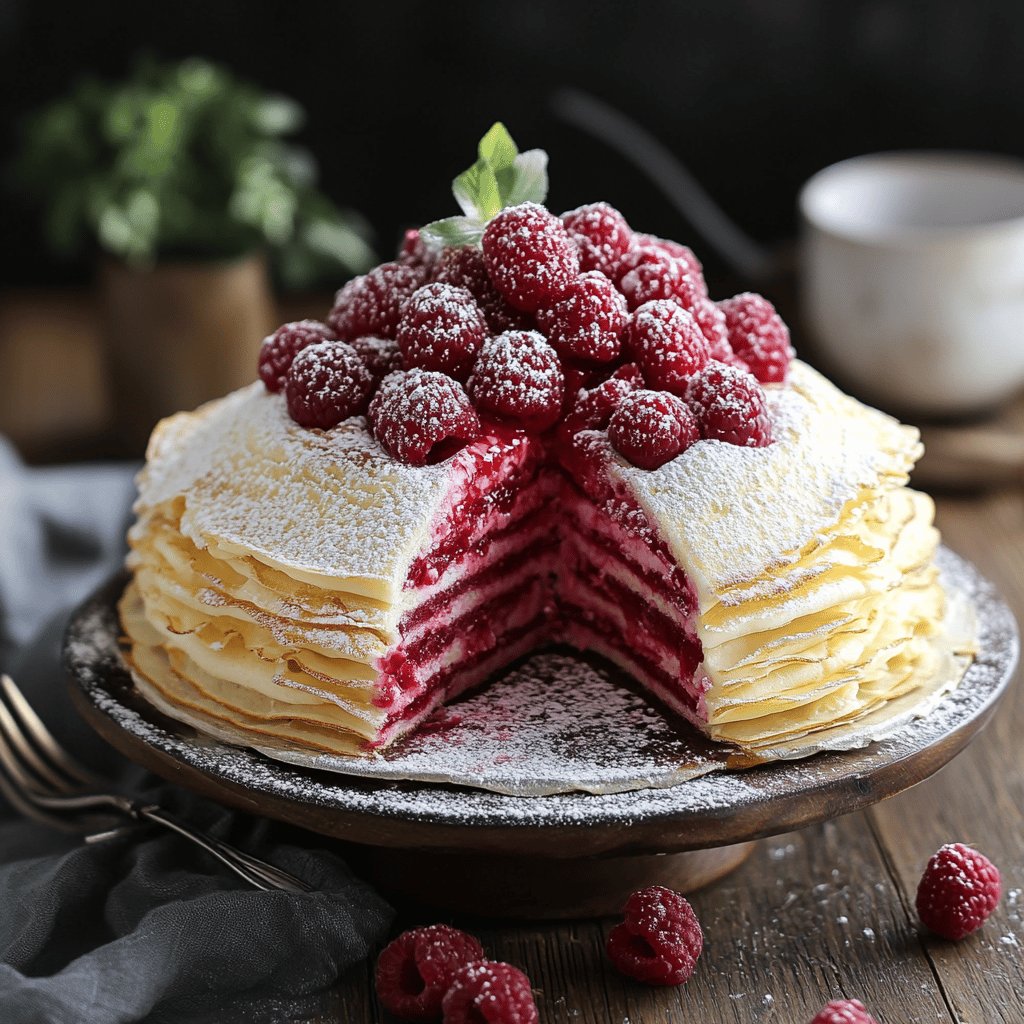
{"x": 283, "y": 591}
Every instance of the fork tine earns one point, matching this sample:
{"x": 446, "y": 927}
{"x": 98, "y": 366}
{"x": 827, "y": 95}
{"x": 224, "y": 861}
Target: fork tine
{"x": 44, "y": 740}
{"x": 19, "y": 796}
{"x": 16, "y": 739}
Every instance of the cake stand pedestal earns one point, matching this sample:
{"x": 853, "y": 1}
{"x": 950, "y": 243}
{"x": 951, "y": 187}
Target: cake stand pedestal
{"x": 559, "y": 856}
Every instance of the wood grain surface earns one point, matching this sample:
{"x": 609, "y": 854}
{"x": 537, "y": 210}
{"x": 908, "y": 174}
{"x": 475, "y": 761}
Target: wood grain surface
{"x": 828, "y": 911}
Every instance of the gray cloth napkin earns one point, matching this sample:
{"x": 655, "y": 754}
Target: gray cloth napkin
{"x": 144, "y": 927}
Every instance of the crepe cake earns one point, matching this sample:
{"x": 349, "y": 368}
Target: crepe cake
{"x": 548, "y": 435}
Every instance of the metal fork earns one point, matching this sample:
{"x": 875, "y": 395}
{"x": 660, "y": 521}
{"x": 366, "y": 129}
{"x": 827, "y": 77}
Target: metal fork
{"x": 44, "y": 782}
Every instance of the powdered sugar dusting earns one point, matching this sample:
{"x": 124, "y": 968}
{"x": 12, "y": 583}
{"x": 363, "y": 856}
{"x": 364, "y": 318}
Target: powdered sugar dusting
{"x": 93, "y": 658}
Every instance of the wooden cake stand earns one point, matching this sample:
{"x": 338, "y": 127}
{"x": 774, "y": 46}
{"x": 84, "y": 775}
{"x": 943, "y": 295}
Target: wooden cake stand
{"x": 559, "y": 856}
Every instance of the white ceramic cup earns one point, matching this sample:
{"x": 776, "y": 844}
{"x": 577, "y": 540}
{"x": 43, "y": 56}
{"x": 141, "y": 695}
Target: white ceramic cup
{"x": 912, "y": 277}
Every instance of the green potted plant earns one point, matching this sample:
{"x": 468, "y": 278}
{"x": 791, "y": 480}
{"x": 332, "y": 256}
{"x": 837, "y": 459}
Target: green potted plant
{"x": 181, "y": 183}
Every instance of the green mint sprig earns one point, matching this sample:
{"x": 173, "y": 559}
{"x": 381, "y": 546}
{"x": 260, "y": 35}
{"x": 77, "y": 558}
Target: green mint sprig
{"x": 501, "y": 177}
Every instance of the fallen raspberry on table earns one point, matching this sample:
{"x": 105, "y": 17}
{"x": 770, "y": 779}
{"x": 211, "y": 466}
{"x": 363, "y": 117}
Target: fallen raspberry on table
{"x": 464, "y": 267}
{"x": 601, "y": 235}
{"x": 416, "y": 970}
{"x": 677, "y": 251}
{"x": 647, "y": 274}
{"x": 372, "y": 304}
{"x": 652, "y": 427}
{"x": 958, "y": 891}
{"x": 587, "y": 322}
{"x": 381, "y": 355}
{"x": 844, "y": 1011}
{"x": 529, "y": 256}
{"x": 442, "y": 328}
{"x": 490, "y": 992}
{"x": 280, "y": 348}
{"x": 326, "y": 383}
{"x": 730, "y": 406}
{"x": 660, "y": 939}
{"x": 667, "y": 344}
{"x": 758, "y": 336}
{"x": 517, "y": 377}
{"x": 418, "y": 415}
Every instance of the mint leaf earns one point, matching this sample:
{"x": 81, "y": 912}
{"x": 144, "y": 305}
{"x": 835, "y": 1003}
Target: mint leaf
{"x": 497, "y": 148}
{"x": 454, "y": 231}
{"x": 476, "y": 191}
{"x": 526, "y": 181}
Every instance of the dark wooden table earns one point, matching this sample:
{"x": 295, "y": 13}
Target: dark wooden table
{"x": 829, "y": 911}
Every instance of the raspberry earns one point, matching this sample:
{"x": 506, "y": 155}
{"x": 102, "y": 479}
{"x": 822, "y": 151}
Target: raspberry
{"x": 730, "y": 406}
{"x": 415, "y": 970}
{"x": 601, "y": 235}
{"x": 652, "y": 427}
{"x": 381, "y": 355}
{"x": 488, "y": 992}
{"x": 844, "y": 1011}
{"x": 441, "y": 329}
{"x": 326, "y": 383}
{"x": 587, "y": 321}
{"x": 677, "y": 251}
{"x": 280, "y": 348}
{"x": 648, "y": 274}
{"x": 958, "y": 891}
{"x": 418, "y": 414}
{"x": 417, "y": 253}
{"x": 593, "y": 409}
{"x": 465, "y": 268}
{"x": 579, "y": 377}
{"x": 529, "y": 256}
{"x": 372, "y": 304}
{"x": 517, "y": 377}
{"x": 667, "y": 345}
{"x": 659, "y": 941}
{"x": 758, "y": 336}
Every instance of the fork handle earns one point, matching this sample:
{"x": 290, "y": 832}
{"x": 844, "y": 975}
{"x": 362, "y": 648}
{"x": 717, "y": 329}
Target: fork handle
{"x": 257, "y": 873}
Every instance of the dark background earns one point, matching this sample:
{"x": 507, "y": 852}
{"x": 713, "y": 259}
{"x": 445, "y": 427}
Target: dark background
{"x": 752, "y": 96}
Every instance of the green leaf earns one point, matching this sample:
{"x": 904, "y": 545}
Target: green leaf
{"x": 526, "y": 181}
{"x": 497, "y": 148}
{"x": 476, "y": 191}
{"x": 453, "y": 231}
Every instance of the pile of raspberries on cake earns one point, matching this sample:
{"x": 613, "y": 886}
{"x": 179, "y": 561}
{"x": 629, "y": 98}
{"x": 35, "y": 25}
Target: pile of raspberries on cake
{"x": 574, "y": 321}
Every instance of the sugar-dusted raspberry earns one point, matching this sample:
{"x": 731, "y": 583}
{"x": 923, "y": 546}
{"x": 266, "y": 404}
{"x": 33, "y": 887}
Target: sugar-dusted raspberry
{"x": 758, "y": 336}
{"x": 730, "y": 406}
{"x": 280, "y": 348}
{"x": 587, "y": 322}
{"x": 529, "y": 256}
{"x": 464, "y": 267}
{"x": 652, "y": 427}
{"x": 326, "y": 383}
{"x": 648, "y": 274}
{"x": 844, "y": 1011}
{"x": 677, "y": 251}
{"x": 415, "y": 252}
{"x": 958, "y": 891}
{"x": 442, "y": 328}
{"x": 420, "y": 415}
{"x": 593, "y": 408}
{"x": 667, "y": 344}
{"x": 660, "y": 939}
{"x": 601, "y": 235}
{"x": 416, "y": 970}
{"x": 580, "y": 377}
{"x": 490, "y": 992}
{"x": 518, "y": 377}
{"x": 381, "y": 355}
{"x": 372, "y": 304}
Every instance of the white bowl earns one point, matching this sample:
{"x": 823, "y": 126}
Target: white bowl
{"x": 912, "y": 277}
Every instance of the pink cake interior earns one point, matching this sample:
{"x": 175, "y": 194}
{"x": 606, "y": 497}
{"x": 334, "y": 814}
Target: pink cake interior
{"x": 530, "y": 551}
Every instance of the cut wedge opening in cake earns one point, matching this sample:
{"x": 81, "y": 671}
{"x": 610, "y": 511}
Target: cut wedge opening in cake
{"x": 308, "y": 590}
